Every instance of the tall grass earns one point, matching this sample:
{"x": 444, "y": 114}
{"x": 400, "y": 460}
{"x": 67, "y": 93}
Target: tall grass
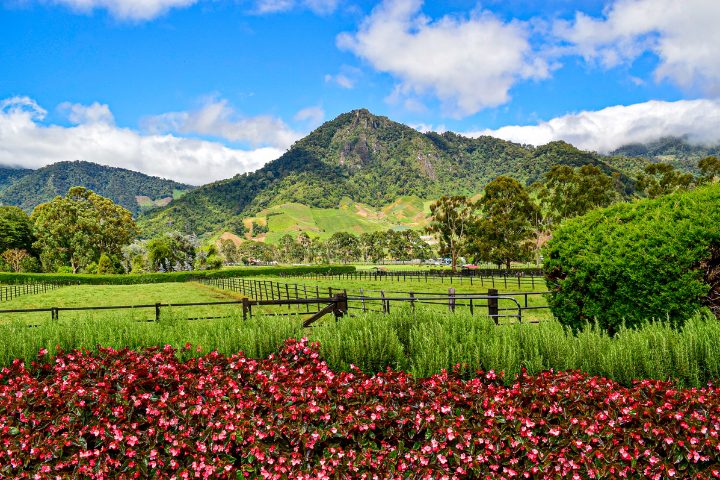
{"x": 420, "y": 341}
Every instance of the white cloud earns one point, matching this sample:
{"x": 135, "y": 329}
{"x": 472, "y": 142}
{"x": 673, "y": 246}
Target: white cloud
{"x": 683, "y": 34}
{"x": 312, "y": 116}
{"x": 612, "y": 127}
{"x": 216, "y": 118}
{"x": 469, "y": 63}
{"x": 127, "y": 9}
{"x": 341, "y": 79}
{"x": 320, "y": 7}
{"x": 94, "y": 113}
{"x": 25, "y": 141}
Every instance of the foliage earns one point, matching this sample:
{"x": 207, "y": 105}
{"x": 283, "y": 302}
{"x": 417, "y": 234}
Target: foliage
{"x": 74, "y": 230}
{"x": 149, "y": 413}
{"x": 568, "y": 192}
{"x": 259, "y": 229}
{"x": 14, "y": 258}
{"x": 635, "y": 261}
{"x": 208, "y": 258}
{"x": 662, "y": 179}
{"x": 680, "y": 153}
{"x": 105, "y": 265}
{"x": 171, "y": 252}
{"x": 254, "y": 252}
{"x": 710, "y": 169}
{"x": 450, "y": 218}
{"x": 120, "y": 185}
{"x": 16, "y": 230}
{"x": 344, "y": 246}
{"x": 177, "y": 276}
{"x": 229, "y": 251}
{"x": 504, "y": 231}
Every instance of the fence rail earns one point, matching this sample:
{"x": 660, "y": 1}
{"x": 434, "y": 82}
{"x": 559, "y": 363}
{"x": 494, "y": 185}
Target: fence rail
{"x": 496, "y": 305}
{"x": 336, "y": 305}
{"x": 8, "y": 292}
{"x": 489, "y": 278}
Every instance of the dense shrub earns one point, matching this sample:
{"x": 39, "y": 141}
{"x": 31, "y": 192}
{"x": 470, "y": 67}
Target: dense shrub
{"x": 637, "y": 261}
{"x": 183, "y": 276}
{"x": 128, "y": 414}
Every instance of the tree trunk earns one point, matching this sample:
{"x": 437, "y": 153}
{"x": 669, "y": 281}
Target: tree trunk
{"x": 507, "y": 264}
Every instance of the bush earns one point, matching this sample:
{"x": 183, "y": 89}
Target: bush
{"x": 65, "y": 275}
{"x": 105, "y": 265}
{"x": 649, "y": 259}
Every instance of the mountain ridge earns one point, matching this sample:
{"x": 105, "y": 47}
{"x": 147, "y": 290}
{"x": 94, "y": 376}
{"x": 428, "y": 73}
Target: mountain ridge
{"x": 371, "y": 160}
{"x": 27, "y": 188}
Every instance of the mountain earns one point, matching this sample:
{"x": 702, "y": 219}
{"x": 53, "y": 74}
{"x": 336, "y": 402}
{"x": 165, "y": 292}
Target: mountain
{"x": 370, "y": 160}
{"x": 674, "y": 150}
{"x": 9, "y": 175}
{"x": 133, "y": 190}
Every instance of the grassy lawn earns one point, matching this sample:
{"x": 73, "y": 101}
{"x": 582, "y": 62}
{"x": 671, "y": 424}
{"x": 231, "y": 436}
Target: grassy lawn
{"x": 109, "y": 295}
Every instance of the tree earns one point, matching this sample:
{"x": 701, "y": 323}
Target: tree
{"x": 16, "y": 229}
{"x": 662, "y": 179}
{"x": 569, "y": 192}
{"x": 105, "y": 265}
{"x": 449, "y": 219}
{"x": 344, "y": 246}
{"x": 372, "y": 246}
{"x": 74, "y": 230}
{"x": 172, "y": 251}
{"x": 710, "y": 169}
{"x": 253, "y": 251}
{"x": 288, "y": 250}
{"x": 505, "y": 231}
{"x": 208, "y": 258}
{"x": 14, "y": 257}
{"x": 305, "y": 243}
{"x": 229, "y": 250}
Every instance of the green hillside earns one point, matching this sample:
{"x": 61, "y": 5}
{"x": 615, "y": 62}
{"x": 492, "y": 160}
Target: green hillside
{"x": 678, "y": 152}
{"x": 293, "y": 218}
{"x": 370, "y": 160}
{"x": 133, "y": 190}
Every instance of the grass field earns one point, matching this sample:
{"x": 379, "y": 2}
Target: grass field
{"x": 111, "y": 295}
{"x": 293, "y": 218}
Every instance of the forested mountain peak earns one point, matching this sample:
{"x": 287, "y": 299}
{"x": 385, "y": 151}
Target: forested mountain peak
{"x": 369, "y": 159}
{"x": 133, "y": 190}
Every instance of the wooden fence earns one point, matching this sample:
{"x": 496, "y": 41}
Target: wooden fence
{"x": 493, "y": 304}
{"x": 484, "y": 278}
{"x": 8, "y": 292}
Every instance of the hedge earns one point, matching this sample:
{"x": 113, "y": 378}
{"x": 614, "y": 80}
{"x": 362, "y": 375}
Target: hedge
{"x": 129, "y": 279}
{"x": 631, "y": 262}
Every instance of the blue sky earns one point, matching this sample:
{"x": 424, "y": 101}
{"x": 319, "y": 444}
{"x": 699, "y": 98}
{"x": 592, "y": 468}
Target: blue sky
{"x": 200, "y": 90}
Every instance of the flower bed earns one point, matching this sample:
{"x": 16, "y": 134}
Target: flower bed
{"x": 129, "y": 414}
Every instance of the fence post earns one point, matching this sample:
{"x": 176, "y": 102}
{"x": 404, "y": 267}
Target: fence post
{"x": 451, "y": 299}
{"x": 493, "y": 304}
{"x": 245, "y": 307}
{"x": 340, "y": 305}
{"x": 385, "y": 305}
{"x": 157, "y": 312}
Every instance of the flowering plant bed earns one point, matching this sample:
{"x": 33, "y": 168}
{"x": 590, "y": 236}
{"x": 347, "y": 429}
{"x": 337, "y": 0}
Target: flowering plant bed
{"x": 130, "y": 414}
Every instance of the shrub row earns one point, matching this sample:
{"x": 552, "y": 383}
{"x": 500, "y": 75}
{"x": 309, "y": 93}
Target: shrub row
{"x": 127, "y": 414}
{"x": 421, "y": 342}
{"x": 184, "y": 276}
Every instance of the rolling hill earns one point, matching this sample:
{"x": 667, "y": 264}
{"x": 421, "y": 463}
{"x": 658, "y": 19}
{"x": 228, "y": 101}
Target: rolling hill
{"x": 371, "y": 161}
{"x": 673, "y": 150}
{"x": 133, "y": 190}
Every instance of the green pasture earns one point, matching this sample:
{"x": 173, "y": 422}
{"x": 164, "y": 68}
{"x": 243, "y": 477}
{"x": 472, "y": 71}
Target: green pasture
{"x": 118, "y": 295}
